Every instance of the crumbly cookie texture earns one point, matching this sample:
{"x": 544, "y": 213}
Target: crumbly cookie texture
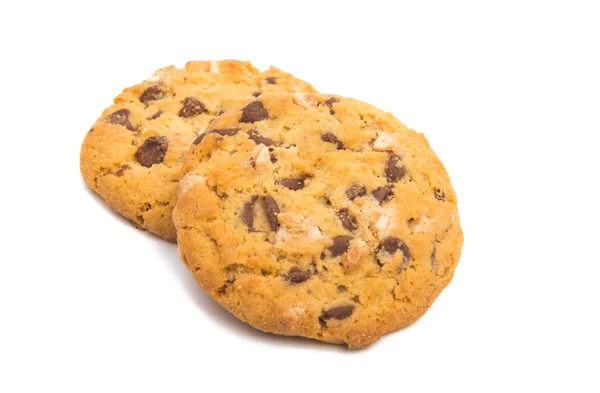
{"x": 132, "y": 156}
{"x": 318, "y": 216}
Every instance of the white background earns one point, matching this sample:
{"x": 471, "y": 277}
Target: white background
{"x": 508, "y": 94}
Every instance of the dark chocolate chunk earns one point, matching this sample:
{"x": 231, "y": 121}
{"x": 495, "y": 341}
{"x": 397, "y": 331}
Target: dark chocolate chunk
{"x": 152, "y": 93}
{"x": 191, "y": 107}
{"x": 272, "y": 209}
{"x": 330, "y": 102}
{"x": 393, "y": 244}
{"x": 339, "y": 312}
{"x": 297, "y": 275}
{"x": 331, "y": 138}
{"x": 156, "y": 115}
{"x": 339, "y": 246}
{"x": 439, "y": 194}
{"x": 292, "y": 184}
{"x": 220, "y": 131}
{"x": 152, "y": 151}
{"x": 225, "y": 131}
{"x": 256, "y": 94}
{"x": 248, "y": 213}
{"x": 119, "y": 172}
{"x": 120, "y": 117}
{"x": 394, "y": 172}
{"x": 356, "y": 190}
{"x": 200, "y": 138}
{"x": 258, "y": 139}
{"x": 348, "y": 221}
{"x": 253, "y": 112}
{"x": 271, "y": 80}
{"x": 383, "y": 194}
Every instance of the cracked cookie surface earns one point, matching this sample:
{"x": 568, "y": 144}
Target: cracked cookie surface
{"x": 318, "y": 216}
{"x": 132, "y": 155}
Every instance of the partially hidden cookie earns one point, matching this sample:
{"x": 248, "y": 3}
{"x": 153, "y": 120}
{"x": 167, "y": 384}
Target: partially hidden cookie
{"x": 318, "y": 216}
{"x": 132, "y": 155}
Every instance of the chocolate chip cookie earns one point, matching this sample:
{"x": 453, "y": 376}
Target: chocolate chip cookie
{"x": 132, "y": 155}
{"x": 318, "y": 216}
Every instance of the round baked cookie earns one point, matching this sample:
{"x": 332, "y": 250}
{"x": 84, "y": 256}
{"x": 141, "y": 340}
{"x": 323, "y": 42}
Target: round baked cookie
{"x": 318, "y": 216}
{"x": 132, "y": 155}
